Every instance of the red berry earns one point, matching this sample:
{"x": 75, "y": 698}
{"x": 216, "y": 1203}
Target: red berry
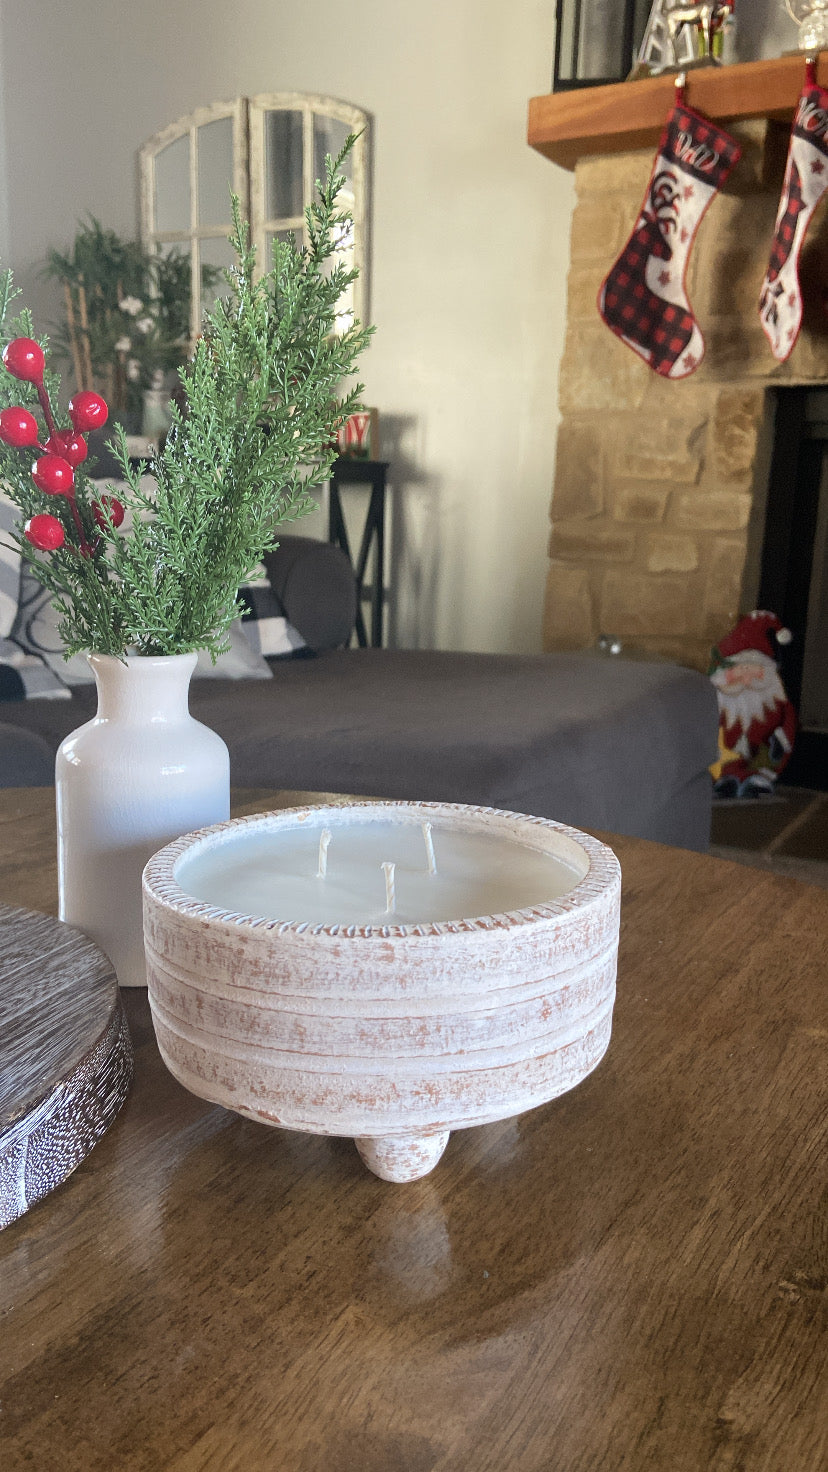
{"x": 88, "y": 410}
{"x": 53, "y": 475}
{"x": 69, "y": 446}
{"x": 24, "y": 358}
{"x": 115, "y": 509}
{"x": 44, "y": 532}
{"x": 18, "y": 427}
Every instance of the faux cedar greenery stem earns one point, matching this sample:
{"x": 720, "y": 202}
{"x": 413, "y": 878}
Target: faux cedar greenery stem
{"x": 255, "y": 433}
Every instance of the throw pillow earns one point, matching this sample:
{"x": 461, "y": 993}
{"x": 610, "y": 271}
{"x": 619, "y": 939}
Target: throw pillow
{"x": 239, "y": 663}
{"x": 26, "y": 676}
{"x": 36, "y": 631}
{"x": 265, "y": 624}
{"x": 9, "y": 565}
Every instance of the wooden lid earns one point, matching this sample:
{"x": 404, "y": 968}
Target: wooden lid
{"x": 65, "y": 1054}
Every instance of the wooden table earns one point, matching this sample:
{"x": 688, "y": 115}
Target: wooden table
{"x": 632, "y": 1277}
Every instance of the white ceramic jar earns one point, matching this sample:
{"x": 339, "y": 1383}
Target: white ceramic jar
{"x": 141, "y": 773}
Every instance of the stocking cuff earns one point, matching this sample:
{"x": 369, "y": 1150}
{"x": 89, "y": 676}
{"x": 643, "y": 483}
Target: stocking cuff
{"x": 698, "y": 147}
{"x": 811, "y": 120}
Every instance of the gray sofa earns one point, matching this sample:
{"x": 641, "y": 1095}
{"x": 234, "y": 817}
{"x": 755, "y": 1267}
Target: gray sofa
{"x": 598, "y": 741}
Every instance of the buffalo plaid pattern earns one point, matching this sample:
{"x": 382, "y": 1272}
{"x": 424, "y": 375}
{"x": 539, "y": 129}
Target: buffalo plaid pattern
{"x": 806, "y": 178}
{"x": 643, "y": 299}
{"x": 265, "y": 624}
{"x": 635, "y": 313}
{"x": 792, "y": 206}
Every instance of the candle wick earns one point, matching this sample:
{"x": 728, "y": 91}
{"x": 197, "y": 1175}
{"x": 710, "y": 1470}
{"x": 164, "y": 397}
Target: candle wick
{"x": 324, "y": 840}
{"x": 432, "y": 862}
{"x": 390, "y": 891}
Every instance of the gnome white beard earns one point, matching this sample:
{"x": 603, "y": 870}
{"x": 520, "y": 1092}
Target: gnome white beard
{"x": 748, "y": 691}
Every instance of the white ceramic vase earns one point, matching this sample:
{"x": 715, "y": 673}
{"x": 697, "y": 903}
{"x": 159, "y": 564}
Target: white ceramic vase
{"x": 141, "y": 773}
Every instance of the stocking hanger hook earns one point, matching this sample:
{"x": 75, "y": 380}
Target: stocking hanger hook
{"x": 681, "y": 81}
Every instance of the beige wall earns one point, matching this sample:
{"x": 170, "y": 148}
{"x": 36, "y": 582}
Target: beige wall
{"x": 469, "y": 249}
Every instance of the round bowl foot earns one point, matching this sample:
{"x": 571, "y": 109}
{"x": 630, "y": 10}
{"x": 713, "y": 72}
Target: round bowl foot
{"x": 402, "y": 1157}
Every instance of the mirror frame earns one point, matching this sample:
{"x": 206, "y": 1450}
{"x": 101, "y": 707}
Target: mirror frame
{"x": 248, "y": 119}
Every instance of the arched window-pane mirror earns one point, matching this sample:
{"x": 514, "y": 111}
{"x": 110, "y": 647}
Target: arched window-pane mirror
{"x": 187, "y": 172}
{"x": 290, "y": 135}
{"x": 271, "y": 149}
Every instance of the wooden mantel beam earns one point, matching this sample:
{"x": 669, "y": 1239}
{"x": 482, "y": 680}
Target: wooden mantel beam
{"x": 566, "y": 126}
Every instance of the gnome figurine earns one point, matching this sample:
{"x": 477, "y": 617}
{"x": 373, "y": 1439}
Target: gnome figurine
{"x": 756, "y": 719}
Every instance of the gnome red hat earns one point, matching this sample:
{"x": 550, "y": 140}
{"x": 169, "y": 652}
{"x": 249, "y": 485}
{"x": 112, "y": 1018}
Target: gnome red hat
{"x": 755, "y": 633}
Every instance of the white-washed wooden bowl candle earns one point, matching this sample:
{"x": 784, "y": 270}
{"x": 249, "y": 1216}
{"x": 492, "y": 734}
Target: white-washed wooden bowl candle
{"x": 384, "y": 971}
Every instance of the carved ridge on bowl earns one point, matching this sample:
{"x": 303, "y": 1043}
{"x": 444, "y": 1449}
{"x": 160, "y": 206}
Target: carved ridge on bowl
{"x": 506, "y": 1039}
{"x": 271, "y": 993}
{"x": 323, "y": 1103}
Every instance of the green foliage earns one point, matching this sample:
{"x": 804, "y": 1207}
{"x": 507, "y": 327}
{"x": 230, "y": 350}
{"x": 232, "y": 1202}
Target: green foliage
{"x": 254, "y": 433}
{"x": 126, "y": 314}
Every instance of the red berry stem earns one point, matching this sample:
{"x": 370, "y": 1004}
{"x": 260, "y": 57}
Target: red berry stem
{"x": 84, "y": 547}
{"x": 46, "y": 407}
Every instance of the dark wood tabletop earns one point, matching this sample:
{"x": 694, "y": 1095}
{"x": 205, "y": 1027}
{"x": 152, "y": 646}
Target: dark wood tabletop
{"x": 633, "y": 1277}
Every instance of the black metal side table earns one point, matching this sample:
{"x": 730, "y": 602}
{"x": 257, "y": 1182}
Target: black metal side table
{"x": 374, "y": 474}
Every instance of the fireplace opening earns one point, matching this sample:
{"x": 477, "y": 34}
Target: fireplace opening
{"x": 793, "y": 580}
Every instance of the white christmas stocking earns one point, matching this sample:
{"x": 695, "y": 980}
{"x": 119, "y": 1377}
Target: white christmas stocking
{"x": 643, "y": 298}
{"x": 806, "y": 178}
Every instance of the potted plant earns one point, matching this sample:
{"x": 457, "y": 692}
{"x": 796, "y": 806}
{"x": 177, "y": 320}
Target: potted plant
{"x": 144, "y": 578}
{"x": 125, "y": 325}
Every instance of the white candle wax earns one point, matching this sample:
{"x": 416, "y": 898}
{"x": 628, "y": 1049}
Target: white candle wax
{"x": 274, "y": 874}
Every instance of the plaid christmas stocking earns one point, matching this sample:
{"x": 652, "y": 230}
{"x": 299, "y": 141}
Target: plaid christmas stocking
{"x": 806, "y": 178}
{"x": 643, "y": 298}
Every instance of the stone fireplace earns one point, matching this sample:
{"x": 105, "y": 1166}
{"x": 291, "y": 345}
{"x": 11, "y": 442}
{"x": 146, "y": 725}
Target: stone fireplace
{"x": 658, "y": 508}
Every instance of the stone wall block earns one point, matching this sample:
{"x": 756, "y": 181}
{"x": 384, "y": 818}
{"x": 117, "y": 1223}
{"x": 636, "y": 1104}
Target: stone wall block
{"x": 578, "y": 483}
{"x": 726, "y": 263}
{"x": 641, "y": 504}
{"x": 660, "y": 449}
{"x": 738, "y": 351}
{"x": 598, "y": 230}
{"x": 633, "y": 604}
{"x": 713, "y": 511}
{"x": 630, "y": 215}
{"x": 758, "y": 143}
{"x": 723, "y": 589}
{"x": 775, "y": 156}
{"x": 604, "y": 173}
{"x": 734, "y": 432}
{"x": 729, "y": 281}
{"x": 577, "y": 540}
{"x": 598, "y": 373}
{"x": 689, "y": 400}
{"x": 671, "y": 553}
{"x": 568, "y": 616}
{"x": 582, "y": 287}
{"x": 638, "y": 465}
{"x": 808, "y": 362}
